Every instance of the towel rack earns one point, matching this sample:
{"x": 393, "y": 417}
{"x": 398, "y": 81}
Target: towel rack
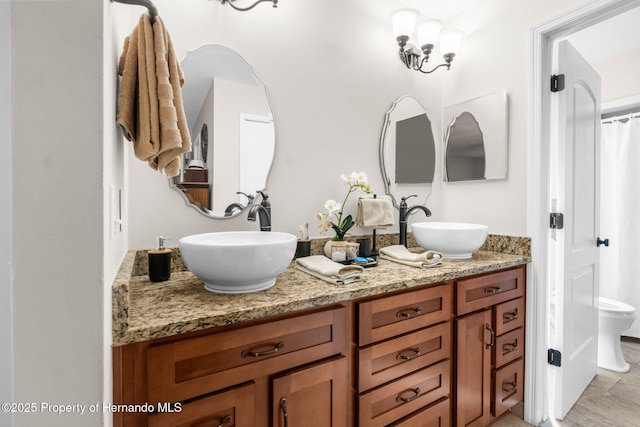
{"x": 153, "y": 12}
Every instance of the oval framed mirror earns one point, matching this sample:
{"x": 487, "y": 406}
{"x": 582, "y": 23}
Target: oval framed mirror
{"x": 231, "y": 123}
{"x": 407, "y": 150}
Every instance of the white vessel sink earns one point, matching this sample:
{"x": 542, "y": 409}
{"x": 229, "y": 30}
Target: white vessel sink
{"x": 237, "y": 262}
{"x": 454, "y": 239}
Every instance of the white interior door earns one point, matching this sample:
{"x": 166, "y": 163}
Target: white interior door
{"x": 574, "y": 259}
{"x": 257, "y": 147}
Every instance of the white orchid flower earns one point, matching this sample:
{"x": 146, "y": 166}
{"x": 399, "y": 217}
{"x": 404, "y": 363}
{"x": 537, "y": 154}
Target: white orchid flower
{"x": 361, "y": 178}
{"x": 332, "y": 206}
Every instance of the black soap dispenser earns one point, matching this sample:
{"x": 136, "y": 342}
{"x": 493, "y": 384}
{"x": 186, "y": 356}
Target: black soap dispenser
{"x": 160, "y": 262}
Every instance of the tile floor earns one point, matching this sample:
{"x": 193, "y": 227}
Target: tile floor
{"x": 611, "y": 400}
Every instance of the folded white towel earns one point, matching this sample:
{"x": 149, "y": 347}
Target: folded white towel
{"x": 329, "y": 271}
{"x": 375, "y": 213}
{"x": 402, "y": 255}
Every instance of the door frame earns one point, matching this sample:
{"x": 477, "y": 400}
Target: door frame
{"x": 542, "y": 39}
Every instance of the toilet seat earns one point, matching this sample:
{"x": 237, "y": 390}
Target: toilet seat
{"x": 613, "y": 306}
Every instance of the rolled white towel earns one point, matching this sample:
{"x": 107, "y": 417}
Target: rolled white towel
{"x": 402, "y": 255}
{"x": 329, "y": 271}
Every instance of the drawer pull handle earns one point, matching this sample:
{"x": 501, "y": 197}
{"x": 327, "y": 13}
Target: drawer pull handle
{"x": 510, "y": 347}
{"x": 414, "y": 353}
{"x": 508, "y": 317}
{"x": 249, "y": 353}
{"x": 493, "y": 336}
{"x": 414, "y": 396}
{"x": 407, "y": 314}
{"x": 224, "y": 420}
{"x": 492, "y": 290}
{"x": 511, "y": 389}
{"x": 283, "y": 408}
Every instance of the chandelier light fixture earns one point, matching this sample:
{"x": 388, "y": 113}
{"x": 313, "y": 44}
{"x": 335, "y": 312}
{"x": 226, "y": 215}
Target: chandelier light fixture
{"x": 428, "y": 35}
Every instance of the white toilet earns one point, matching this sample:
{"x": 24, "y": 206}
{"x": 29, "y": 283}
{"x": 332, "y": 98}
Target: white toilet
{"x": 615, "y": 317}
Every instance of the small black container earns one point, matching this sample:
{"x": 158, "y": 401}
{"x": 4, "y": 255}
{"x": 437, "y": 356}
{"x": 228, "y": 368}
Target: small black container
{"x": 303, "y": 248}
{"x": 160, "y": 262}
{"x": 365, "y": 247}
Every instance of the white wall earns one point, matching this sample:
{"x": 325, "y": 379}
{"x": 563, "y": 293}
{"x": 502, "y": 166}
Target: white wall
{"x": 495, "y": 55}
{"x": 6, "y": 280}
{"x": 331, "y": 71}
{"x": 331, "y": 77}
{"x": 619, "y": 76}
{"x": 57, "y": 171}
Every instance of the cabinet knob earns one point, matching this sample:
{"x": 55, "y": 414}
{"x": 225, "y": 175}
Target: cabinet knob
{"x": 406, "y": 314}
{"x": 508, "y": 317}
{"x": 224, "y": 420}
{"x": 492, "y": 290}
{"x": 510, "y": 387}
{"x": 414, "y": 353}
{"x": 414, "y": 396}
{"x": 283, "y": 408}
{"x": 250, "y": 353}
{"x": 492, "y": 335}
{"x": 510, "y": 347}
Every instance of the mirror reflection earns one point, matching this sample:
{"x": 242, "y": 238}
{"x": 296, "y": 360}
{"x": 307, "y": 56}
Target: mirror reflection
{"x": 407, "y": 150}
{"x": 465, "y": 155}
{"x": 475, "y": 143}
{"x": 233, "y": 133}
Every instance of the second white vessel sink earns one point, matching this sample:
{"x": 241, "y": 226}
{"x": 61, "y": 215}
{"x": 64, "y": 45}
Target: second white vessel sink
{"x": 454, "y": 239}
{"x": 236, "y": 262}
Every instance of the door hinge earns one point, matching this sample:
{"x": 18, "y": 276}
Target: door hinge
{"x": 554, "y": 357}
{"x": 557, "y": 82}
{"x": 556, "y": 221}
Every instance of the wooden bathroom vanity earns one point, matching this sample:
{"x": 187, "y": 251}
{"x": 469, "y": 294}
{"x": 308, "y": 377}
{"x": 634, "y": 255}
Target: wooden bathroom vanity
{"x": 404, "y": 347}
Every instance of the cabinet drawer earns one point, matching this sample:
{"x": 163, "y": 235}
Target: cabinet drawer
{"x": 508, "y": 387}
{"x": 188, "y": 368}
{"x": 484, "y": 291}
{"x": 235, "y": 407}
{"x": 391, "y": 359}
{"x": 389, "y": 403}
{"x": 436, "y": 415}
{"x": 509, "y": 316}
{"x": 509, "y": 347}
{"x": 387, "y": 317}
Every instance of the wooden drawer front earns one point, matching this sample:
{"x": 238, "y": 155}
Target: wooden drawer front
{"x": 387, "y": 317}
{"x": 235, "y": 407}
{"x": 509, "y": 316}
{"x": 509, "y": 347}
{"x": 436, "y": 415}
{"x": 391, "y": 359}
{"x": 484, "y": 291}
{"x": 508, "y": 387}
{"x": 389, "y": 403}
{"x": 188, "y": 368}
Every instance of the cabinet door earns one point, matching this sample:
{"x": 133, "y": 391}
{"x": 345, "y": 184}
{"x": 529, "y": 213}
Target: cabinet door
{"x": 234, "y": 407}
{"x": 314, "y": 396}
{"x": 474, "y": 336}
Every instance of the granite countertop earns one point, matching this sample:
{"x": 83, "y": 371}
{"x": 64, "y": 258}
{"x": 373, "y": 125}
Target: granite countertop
{"x": 143, "y": 310}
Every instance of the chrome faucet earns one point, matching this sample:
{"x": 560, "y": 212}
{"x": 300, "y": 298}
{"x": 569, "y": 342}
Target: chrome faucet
{"x": 404, "y": 214}
{"x": 264, "y": 212}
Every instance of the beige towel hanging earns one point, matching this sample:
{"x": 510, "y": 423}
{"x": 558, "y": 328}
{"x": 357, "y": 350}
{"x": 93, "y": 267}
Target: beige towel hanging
{"x": 375, "y": 213}
{"x": 150, "y": 107}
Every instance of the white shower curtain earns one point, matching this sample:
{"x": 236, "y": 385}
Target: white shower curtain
{"x": 620, "y": 214}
